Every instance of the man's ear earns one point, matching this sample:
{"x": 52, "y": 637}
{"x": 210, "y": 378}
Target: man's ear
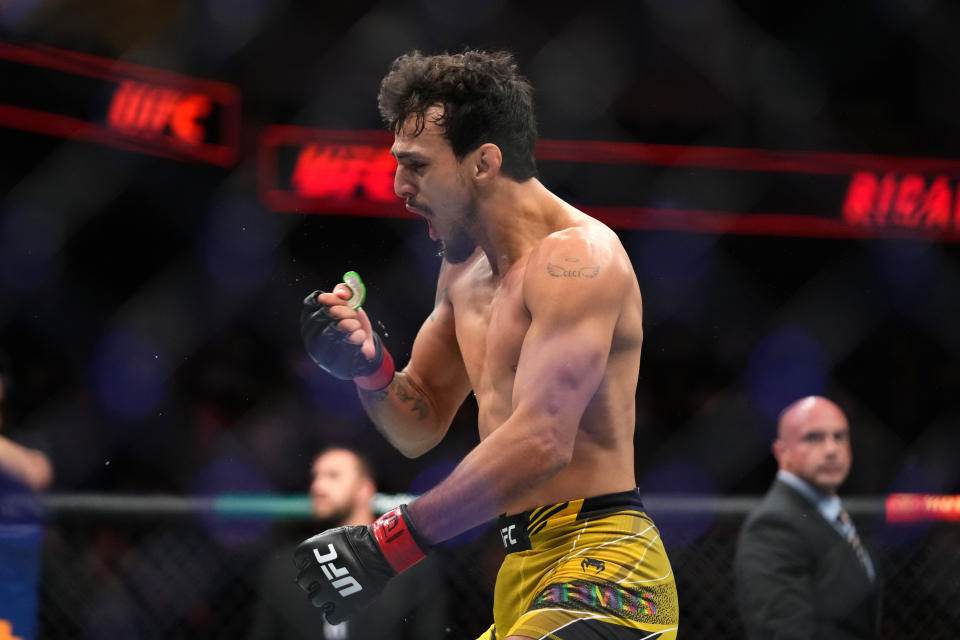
{"x": 367, "y": 490}
{"x": 487, "y": 162}
{"x": 777, "y": 449}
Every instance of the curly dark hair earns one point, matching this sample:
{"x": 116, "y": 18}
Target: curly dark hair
{"x": 484, "y": 98}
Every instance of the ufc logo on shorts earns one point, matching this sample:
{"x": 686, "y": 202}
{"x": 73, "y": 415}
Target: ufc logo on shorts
{"x": 345, "y": 584}
{"x": 507, "y": 534}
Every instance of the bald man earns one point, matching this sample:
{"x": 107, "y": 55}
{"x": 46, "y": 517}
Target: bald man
{"x": 801, "y": 570}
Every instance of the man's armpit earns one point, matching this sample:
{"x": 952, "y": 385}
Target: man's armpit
{"x": 436, "y": 305}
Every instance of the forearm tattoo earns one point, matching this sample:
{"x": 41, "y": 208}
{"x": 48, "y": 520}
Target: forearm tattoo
{"x": 406, "y": 394}
{"x": 376, "y": 397}
{"x": 571, "y": 269}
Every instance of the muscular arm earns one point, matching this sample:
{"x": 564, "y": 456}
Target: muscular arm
{"x": 773, "y": 580}
{"x": 415, "y": 410}
{"x": 562, "y": 362}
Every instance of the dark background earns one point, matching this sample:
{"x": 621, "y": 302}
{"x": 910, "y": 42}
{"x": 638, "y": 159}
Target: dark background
{"x": 150, "y": 307}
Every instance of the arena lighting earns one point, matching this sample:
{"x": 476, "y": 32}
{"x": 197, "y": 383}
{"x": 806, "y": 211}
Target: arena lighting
{"x": 82, "y": 97}
{"x": 922, "y": 507}
{"x": 812, "y": 194}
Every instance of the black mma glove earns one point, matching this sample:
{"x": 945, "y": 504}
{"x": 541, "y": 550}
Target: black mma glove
{"x": 343, "y": 569}
{"x": 333, "y": 352}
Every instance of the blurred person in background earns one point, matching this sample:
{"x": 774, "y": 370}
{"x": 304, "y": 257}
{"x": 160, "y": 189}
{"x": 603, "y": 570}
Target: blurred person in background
{"x": 21, "y": 464}
{"x": 412, "y": 608}
{"x": 23, "y": 471}
{"x": 800, "y": 568}
{"x": 538, "y": 313}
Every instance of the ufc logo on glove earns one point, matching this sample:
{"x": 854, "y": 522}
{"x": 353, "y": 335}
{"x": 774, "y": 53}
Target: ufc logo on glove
{"x": 345, "y": 586}
{"x": 366, "y": 559}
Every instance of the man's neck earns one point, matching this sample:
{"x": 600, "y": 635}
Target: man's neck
{"x": 804, "y": 486}
{"x": 360, "y": 517}
{"x": 514, "y": 218}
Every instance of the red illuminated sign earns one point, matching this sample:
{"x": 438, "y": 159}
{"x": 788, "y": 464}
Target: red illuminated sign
{"x": 814, "y": 194}
{"x": 344, "y": 172}
{"x": 62, "y": 93}
{"x": 919, "y": 507}
{"x": 907, "y": 201}
{"x": 325, "y": 171}
{"x": 142, "y": 110}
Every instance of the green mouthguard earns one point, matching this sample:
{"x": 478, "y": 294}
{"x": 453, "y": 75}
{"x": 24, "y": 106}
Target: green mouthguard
{"x": 358, "y": 292}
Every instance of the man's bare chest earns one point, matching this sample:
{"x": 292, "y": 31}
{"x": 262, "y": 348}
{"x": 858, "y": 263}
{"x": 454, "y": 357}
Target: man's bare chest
{"x": 491, "y": 323}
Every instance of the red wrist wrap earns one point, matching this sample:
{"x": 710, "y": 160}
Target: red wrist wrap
{"x": 396, "y": 540}
{"x": 379, "y": 378}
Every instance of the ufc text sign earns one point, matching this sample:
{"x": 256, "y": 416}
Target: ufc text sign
{"x": 648, "y": 186}
{"x": 82, "y": 97}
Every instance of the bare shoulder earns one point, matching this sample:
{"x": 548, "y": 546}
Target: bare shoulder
{"x": 588, "y": 250}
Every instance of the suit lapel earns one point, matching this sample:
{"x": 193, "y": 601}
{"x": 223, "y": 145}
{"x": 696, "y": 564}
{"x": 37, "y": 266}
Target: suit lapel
{"x": 824, "y": 532}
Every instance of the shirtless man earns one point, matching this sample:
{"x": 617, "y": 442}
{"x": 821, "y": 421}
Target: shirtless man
{"x": 538, "y": 312}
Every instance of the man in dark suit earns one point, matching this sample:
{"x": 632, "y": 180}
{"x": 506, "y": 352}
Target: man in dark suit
{"x": 411, "y": 607}
{"x": 801, "y": 570}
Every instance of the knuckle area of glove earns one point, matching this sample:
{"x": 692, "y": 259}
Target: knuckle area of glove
{"x": 308, "y": 583}
{"x": 310, "y": 573}
{"x": 334, "y": 337}
{"x": 313, "y": 299}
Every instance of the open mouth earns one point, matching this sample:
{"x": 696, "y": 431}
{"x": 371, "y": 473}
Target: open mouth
{"x": 412, "y": 208}
{"x": 426, "y": 216}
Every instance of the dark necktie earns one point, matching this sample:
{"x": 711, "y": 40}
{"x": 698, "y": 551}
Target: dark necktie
{"x": 846, "y": 525}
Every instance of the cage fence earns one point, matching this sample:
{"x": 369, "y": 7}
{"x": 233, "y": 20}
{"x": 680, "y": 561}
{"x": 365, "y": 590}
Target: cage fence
{"x": 152, "y": 567}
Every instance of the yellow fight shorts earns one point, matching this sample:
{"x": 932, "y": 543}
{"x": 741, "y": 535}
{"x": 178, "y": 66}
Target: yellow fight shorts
{"x": 593, "y": 569}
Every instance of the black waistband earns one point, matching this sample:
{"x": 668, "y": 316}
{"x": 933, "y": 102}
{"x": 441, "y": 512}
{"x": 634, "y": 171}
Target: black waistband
{"x": 515, "y": 530}
{"x": 610, "y": 502}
